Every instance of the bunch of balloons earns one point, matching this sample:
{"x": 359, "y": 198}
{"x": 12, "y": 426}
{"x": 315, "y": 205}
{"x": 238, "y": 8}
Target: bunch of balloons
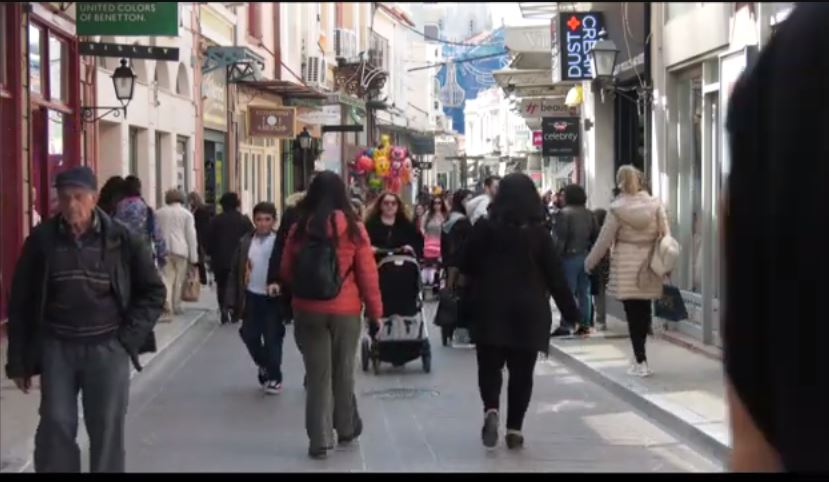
{"x": 384, "y": 166}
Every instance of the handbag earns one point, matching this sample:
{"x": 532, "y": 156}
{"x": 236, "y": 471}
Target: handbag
{"x": 192, "y": 286}
{"x": 665, "y": 252}
{"x": 447, "y": 312}
{"x": 671, "y": 306}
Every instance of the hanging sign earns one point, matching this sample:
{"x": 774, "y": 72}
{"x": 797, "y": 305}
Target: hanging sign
{"x": 100, "y": 49}
{"x": 578, "y": 33}
{"x": 128, "y": 18}
{"x": 546, "y": 107}
{"x": 561, "y": 136}
{"x": 538, "y": 138}
{"x": 279, "y": 122}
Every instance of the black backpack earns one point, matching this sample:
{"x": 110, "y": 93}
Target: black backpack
{"x": 316, "y": 269}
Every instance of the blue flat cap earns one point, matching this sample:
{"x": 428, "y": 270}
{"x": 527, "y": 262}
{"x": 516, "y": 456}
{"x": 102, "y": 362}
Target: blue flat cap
{"x": 77, "y": 177}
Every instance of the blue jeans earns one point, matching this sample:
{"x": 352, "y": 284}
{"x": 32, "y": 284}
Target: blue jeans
{"x": 263, "y": 333}
{"x": 579, "y": 283}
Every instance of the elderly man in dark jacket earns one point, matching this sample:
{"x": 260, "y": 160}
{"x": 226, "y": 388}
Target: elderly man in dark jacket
{"x": 85, "y": 298}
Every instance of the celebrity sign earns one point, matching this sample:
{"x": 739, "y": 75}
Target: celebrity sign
{"x": 577, "y": 35}
{"x": 561, "y": 136}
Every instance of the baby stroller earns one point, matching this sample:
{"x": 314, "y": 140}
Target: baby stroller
{"x": 431, "y": 273}
{"x": 403, "y": 335}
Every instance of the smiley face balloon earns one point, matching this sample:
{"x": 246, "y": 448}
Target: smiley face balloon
{"x": 382, "y": 167}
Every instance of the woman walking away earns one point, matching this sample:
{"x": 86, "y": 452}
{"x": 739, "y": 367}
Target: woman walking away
{"x": 455, "y": 234}
{"x": 635, "y": 221}
{"x": 133, "y": 211}
{"x": 329, "y": 265}
{"x": 513, "y": 269}
{"x": 576, "y": 230}
{"x": 598, "y": 281}
{"x": 225, "y": 237}
{"x": 179, "y": 231}
{"x": 390, "y": 228}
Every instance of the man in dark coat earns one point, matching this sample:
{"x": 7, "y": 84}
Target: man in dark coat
{"x": 225, "y": 235}
{"x": 85, "y": 298}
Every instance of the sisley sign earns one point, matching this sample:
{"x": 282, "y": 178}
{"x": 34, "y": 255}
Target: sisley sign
{"x": 561, "y": 136}
{"x": 578, "y": 34}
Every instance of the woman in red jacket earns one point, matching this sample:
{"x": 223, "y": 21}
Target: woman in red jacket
{"x": 329, "y": 330}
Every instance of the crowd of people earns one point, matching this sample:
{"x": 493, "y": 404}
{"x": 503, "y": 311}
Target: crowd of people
{"x": 93, "y": 280}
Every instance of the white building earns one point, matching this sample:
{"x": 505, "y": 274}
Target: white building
{"x": 496, "y": 132}
{"x": 156, "y": 139}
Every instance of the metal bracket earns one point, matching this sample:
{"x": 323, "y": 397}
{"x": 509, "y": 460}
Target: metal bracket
{"x": 88, "y": 113}
{"x": 239, "y": 62}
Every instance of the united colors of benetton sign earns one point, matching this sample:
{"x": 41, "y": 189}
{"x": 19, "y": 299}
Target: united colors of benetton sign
{"x": 128, "y": 18}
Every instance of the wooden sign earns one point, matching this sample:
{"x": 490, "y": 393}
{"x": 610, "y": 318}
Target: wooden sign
{"x": 279, "y": 122}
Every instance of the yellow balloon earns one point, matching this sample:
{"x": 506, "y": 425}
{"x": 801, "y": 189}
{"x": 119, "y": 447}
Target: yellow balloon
{"x": 385, "y": 141}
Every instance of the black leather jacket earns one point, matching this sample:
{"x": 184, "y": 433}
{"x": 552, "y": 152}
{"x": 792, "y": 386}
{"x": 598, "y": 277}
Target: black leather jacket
{"x": 576, "y": 230}
{"x": 135, "y": 282}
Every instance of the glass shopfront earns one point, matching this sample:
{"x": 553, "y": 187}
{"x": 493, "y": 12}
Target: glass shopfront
{"x": 695, "y": 175}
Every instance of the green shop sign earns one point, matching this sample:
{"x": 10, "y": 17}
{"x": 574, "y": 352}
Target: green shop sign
{"x": 128, "y": 18}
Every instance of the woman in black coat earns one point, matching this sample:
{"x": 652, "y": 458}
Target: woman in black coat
{"x": 454, "y": 235}
{"x": 513, "y": 268}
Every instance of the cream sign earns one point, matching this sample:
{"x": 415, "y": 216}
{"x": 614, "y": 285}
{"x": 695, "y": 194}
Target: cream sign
{"x": 547, "y": 107}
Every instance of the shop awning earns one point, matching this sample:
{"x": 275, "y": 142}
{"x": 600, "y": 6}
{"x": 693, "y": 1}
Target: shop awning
{"x": 286, "y": 89}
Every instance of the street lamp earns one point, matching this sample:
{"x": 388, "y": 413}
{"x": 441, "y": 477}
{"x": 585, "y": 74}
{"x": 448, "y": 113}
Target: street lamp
{"x": 304, "y": 139}
{"x": 603, "y": 61}
{"x": 123, "y": 81}
{"x": 603, "y": 56}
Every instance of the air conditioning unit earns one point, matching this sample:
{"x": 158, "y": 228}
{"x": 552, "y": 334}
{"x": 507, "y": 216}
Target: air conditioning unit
{"x": 314, "y": 70}
{"x": 345, "y": 43}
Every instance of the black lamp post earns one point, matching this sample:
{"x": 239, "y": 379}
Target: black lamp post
{"x": 305, "y": 142}
{"x": 123, "y": 81}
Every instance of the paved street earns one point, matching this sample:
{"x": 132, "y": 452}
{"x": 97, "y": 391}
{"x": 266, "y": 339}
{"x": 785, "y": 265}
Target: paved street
{"x": 198, "y": 408}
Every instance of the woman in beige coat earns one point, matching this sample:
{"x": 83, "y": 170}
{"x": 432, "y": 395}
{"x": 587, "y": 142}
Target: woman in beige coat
{"x": 634, "y": 222}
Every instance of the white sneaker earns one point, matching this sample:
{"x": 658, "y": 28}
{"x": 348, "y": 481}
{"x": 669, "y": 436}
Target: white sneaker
{"x": 273, "y": 387}
{"x": 640, "y": 370}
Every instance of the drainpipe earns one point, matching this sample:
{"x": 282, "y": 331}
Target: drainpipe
{"x": 647, "y": 91}
{"x": 198, "y": 100}
{"x": 277, "y": 33}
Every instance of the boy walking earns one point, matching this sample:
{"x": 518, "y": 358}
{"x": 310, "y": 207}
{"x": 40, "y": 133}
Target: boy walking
{"x": 252, "y": 294}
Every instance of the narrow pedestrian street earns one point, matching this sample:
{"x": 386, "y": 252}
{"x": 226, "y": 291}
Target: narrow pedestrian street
{"x": 198, "y": 408}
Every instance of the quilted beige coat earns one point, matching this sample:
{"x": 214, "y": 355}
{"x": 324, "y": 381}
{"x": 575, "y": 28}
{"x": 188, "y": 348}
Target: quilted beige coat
{"x": 632, "y": 226}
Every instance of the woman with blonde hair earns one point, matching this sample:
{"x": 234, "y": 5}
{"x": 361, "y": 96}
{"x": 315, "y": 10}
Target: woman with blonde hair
{"x": 634, "y": 222}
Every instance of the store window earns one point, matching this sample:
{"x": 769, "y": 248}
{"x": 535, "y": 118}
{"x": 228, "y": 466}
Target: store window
{"x": 35, "y": 59}
{"x": 182, "y": 164}
{"x": 687, "y": 206}
{"x": 255, "y": 20}
{"x": 56, "y": 152}
{"x": 57, "y": 69}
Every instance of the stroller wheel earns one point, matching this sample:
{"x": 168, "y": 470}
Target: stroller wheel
{"x": 365, "y": 354}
